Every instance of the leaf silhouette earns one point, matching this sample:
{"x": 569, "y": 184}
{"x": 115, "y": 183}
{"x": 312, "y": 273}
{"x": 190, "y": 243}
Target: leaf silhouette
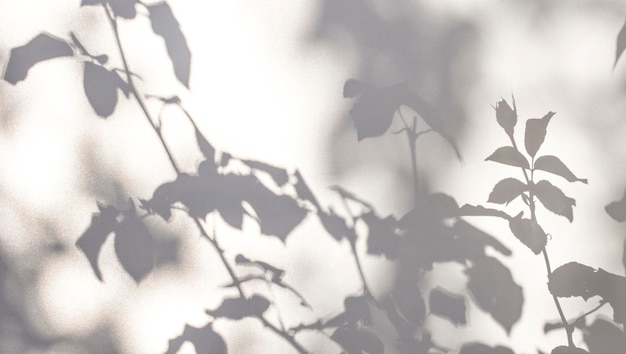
{"x": 447, "y": 305}
{"x": 123, "y": 8}
{"x": 239, "y": 308}
{"x": 617, "y": 210}
{"x": 165, "y": 25}
{"x": 621, "y": 44}
{"x": 479, "y": 348}
{"x": 381, "y": 239}
{"x": 335, "y": 225}
{"x": 205, "y": 340}
{"x": 205, "y": 147}
{"x": 529, "y": 232}
{"x": 568, "y": 350}
{"x": 277, "y": 274}
{"x": 554, "y": 199}
{"x": 279, "y": 175}
{"x": 91, "y": 241}
{"x": 474, "y": 241}
{"x": 508, "y": 155}
{"x": 134, "y": 246}
{"x": 506, "y": 117}
{"x": 101, "y": 87}
{"x": 536, "y": 133}
{"x": 374, "y": 107}
{"x": 275, "y": 280}
{"x": 494, "y": 291}
{"x": 575, "y": 279}
{"x": 506, "y": 191}
{"x": 555, "y": 166}
{"x": 479, "y": 210}
{"x": 358, "y": 340}
{"x": 42, "y": 47}
{"x": 304, "y": 192}
{"x": 603, "y": 337}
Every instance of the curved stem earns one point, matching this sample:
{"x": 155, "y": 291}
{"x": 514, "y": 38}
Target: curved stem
{"x": 172, "y": 161}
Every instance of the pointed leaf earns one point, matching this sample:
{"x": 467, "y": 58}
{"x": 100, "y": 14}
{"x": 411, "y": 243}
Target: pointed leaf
{"x": 479, "y": 210}
{"x": 91, "y": 241}
{"x": 506, "y": 117}
{"x": 101, "y": 89}
{"x": 508, "y": 155}
{"x": 134, "y": 247}
{"x": 41, "y": 48}
{"x": 621, "y": 44}
{"x": 494, "y": 291}
{"x": 617, "y": 210}
{"x": 555, "y": 166}
{"x": 575, "y": 279}
{"x": 165, "y": 25}
{"x": 279, "y": 175}
{"x": 554, "y": 199}
{"x": 480, "y": 348}
{"x": 358, "y": 340}
{"x": 304, "y": 192}
{"x": 335, "y": 225}
{"x": 536, "y": 133}
{"x": 567, "y": 350}
{"x": 447, "y": 305}
{"x": 529, "y": 232}
{"x": 239, "y": 308}
{"x": 506, "y": 191}
{"x": 473, "y": 238}
{"x": 205, "y": 147}
{"x": 205, "y": 340}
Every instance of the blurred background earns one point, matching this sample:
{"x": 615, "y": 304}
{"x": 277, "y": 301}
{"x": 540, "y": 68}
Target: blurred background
{"x": 266, "y": 83}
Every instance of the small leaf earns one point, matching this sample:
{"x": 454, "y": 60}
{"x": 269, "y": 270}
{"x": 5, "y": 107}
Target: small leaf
{"x": 277, "y": 274}
{"x": 479, "y": 210}
{"x": 205, "y": 147}
{"x": 506, "y": 117}
{"x": 304, "y": 192}
{"x": 536, "y": 133}
{"x": 381, "y": 238}
{"x": 91, "y": 241}
{"x": 123, "y": 8}
{"x": 529, "y": 232}
{"x": 91, "y": 2}
{"x": 554, "y": 199}
{"x": 555, "y": 166}
{"x": 239, "y": 308}
{"x": 447, "y": 305}
{"x": 101, "y": 89}
{"x": 567, "y": 350}
{"x": 358, "y": 340}
{"x": 495, "y": 291}
{"x": 617, "y": 210}
{"x": 575, "y": 279}
{"x": 205, "y": 340}
{"x": 41, "y": 48}
{"x": 279, "y": 175}
{"x": 621, "y": 44}
{"x": 480, "y": 348}
{"x": 508, "y": 155}
{"x": 335, "y": 225}
{"x": 134, "y": 247}
{"x": 165, "y": 25}
{"x": 374, "y": 107}
{"x": 506, "y": 191}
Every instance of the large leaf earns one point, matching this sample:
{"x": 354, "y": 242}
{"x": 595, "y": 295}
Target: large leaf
{"x": 358, "y": 340}
{"x": 506, "y": 117}
{"x": 506, "y": 191}
{"x": 134, "y": 246}
{"x": 603, "y": 337}
{"x": 239, "y": 308}
{"x": 165, "y": 25}
{"x": 447, "y": 305}
{"x": 555, "y": 166}
{"x": 575, "y": 279}
{"x": 205, "y": 340}
{"x": 508, "y": 155}
{"x": 529, "y": 232}
{"x": 554, "y": 199}
{"x": 536, "y": 133}
{"x": 617, "y": 209}
{"x": 101, "y": 87}
{"x": 41, "y": 48}
{"x": 480, "y": 348}
{"x": 494, "y": 291}
{"x": 621, "y": 44}
{"x": 91, "y": 241}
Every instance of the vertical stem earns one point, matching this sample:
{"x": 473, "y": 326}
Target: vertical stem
{"x": 172, "y": 161}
